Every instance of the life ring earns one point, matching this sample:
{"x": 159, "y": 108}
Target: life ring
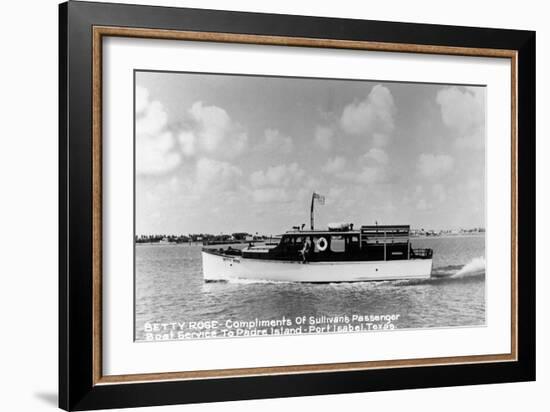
{"x": 322, "y": 244}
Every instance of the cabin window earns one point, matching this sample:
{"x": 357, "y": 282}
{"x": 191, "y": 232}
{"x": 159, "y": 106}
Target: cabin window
{"x": 337, "y": 244}
{"x": 353, "y": 243}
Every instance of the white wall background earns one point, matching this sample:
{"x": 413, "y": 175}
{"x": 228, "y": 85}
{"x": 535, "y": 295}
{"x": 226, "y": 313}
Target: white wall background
{"x": 28, "y": 211}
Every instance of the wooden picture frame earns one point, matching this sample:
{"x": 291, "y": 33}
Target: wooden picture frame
{"x": 83, "y": 26}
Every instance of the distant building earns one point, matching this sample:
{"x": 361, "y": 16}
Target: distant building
{"x": 242, "y": 236}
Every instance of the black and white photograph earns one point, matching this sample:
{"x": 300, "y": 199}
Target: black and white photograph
{"x": 271, "y": 205}
{"x": 251, "y": 206}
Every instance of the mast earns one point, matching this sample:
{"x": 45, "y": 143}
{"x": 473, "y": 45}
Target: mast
{"x": 311, "y": 213}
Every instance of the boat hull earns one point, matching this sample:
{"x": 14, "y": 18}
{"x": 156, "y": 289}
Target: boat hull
{"x": 216, "y": 266}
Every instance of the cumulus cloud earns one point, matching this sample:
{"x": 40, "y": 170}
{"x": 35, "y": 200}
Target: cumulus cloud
{"x": 280, "y": 175}
{"x": 212, "y": 133}
{"x": 324, "y": 137}
{"x": 271, "y": 195}
{"x": 369, "y": 175}
{"x": 430, "y": 165}
{"x": 216, "y": 175}
{"x": 364, "y": 175}
{"x": 275, "y": 141}
{"x": 463, "y": 111}
{"x": 188, "y": 143}
{"x": 367, "y": 169}
{"x": 277, "y": 183}
{"x": 334, "y": 165}
{"x": 142, "y": 99}
{"x": 155, "y": 155}
{"x": 378, "y": 155}
{"x": 156, "y": 152}
{"x": 373, "y": 116}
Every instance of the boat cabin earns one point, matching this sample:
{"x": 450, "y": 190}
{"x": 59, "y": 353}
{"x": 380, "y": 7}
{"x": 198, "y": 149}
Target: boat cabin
{"x": 369, "y": 243}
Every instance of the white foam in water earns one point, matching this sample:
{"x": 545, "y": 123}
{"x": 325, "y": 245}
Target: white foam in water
{"x": 473, "y": 267}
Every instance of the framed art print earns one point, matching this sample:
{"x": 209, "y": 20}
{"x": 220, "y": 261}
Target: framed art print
{"x": 258, "y": 205}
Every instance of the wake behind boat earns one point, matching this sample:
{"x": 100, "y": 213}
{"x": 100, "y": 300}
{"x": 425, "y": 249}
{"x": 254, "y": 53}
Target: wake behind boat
{"x": 337, "y": 254}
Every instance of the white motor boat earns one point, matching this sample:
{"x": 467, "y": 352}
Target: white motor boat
{"x": 338, "y": 254}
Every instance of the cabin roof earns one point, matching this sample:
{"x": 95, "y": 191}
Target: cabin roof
{"x": 386, "y": 227}
{"x": 365, "y": 231}
{"x": 321, "y": 232}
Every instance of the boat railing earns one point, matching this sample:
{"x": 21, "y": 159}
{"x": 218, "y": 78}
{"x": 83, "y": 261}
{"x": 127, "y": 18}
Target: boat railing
{"x": 421, "y": 253}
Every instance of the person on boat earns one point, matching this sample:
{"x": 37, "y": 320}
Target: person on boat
{"x": 306, "y": 249}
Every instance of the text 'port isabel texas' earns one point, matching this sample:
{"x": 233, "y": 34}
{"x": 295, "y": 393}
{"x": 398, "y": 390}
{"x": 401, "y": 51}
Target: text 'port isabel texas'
{"x": 337, "y": 254}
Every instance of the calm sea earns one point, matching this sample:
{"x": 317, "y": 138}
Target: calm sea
{"x": 170, "y": 288}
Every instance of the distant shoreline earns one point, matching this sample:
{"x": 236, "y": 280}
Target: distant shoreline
{"x": 445, "y": 236}
{"x": 448, "y": 236}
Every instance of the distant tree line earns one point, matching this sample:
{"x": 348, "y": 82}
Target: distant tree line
{"x": 199, "y": 237}
{"x": 461, "y": 231}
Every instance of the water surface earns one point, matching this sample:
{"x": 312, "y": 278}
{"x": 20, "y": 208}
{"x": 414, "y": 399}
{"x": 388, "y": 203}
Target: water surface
{"x": 170, "y": 288}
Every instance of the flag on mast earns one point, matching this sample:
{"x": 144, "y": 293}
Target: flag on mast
{"x": 320, "y": 198}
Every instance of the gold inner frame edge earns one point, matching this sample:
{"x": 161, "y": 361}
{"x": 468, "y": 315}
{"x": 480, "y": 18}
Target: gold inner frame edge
{"x": 99, "y": 32}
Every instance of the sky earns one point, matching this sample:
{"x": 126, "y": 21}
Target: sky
{"x": 230, "y": 153}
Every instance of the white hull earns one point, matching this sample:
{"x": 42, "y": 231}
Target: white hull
{"x": 218, "y": 267}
